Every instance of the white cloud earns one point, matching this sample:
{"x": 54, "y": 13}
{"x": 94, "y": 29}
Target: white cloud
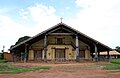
{"x": 9, "y": 31}
{"x": 3, "y": 10}
{"x": 40, "y": 14}
{"x": 84, "y": 3}
{"x": 41, "y": 17}
{"x": 99, "y": 19}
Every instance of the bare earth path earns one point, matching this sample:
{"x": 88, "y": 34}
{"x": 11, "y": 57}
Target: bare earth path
{"x": 76, "y": 70}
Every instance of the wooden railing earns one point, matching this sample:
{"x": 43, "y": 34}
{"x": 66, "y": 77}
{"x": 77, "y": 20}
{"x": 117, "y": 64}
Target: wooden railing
{"x": 55, "y": 43}
{"x": 66, "y": 43}
{"x": 70, "y": 60}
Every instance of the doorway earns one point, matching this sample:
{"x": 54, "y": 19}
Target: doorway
{"x": 59, "y": 53}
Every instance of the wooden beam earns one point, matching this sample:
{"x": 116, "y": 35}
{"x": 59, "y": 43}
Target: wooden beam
{"x": 67, "y": 30}
{"x": 54, "y": 30}
{"x": 61, "y": 34}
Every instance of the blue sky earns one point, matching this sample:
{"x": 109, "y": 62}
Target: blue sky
{"x": 63, "y": 6}
{"x": 98, "y": 19}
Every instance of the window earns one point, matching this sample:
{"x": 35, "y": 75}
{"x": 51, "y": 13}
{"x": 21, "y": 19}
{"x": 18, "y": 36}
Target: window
{"x": 59, "y": 40}
{"x": 38, "y": 54}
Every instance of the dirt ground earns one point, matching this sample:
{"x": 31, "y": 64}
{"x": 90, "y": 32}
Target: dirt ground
{"x": 74, "y": 70}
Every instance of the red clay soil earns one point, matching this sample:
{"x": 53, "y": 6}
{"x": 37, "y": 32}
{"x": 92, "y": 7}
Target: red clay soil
{"x": 78, "y": 70}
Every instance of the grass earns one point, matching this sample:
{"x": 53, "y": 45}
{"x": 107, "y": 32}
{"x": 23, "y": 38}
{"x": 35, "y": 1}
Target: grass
{"x": 114, "y": 65}
{"x": 10, "y": 69}
{"x": 115, "y": 61}
{"x": 6, "y": 68}
{"x": 4, "y": 61}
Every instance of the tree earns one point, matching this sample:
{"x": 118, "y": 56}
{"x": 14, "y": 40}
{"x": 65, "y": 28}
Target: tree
{"x": 2, "y": 56}
{"x": 22, "y": 39}
{"x": 117, "y": 48}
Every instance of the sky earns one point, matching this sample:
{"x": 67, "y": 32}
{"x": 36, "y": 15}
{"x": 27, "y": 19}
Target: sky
{"x": 99, "y": 19}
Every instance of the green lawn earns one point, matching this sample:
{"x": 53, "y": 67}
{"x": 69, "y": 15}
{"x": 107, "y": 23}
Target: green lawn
{"x": 114, "y": 65}
{"x": 115, "y": 61}
{"x": 6, "y": 68}
{"x": 10, "y": 69}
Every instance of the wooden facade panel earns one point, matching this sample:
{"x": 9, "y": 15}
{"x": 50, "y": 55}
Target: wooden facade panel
{"x": 38, "y": 44}
{"x": 49, "y": 53}
{"x": 31, "y": 55}
{"x": 87, "y": 54}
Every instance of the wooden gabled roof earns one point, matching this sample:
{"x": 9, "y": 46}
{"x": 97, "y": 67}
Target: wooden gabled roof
{"x": 90, "y": 41}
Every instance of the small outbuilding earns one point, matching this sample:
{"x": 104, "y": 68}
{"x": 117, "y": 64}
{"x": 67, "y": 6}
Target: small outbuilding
{"x": 113, "y": 54}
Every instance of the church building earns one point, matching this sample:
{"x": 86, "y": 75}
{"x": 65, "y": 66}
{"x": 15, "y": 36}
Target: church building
{"x": 60, "y": 43}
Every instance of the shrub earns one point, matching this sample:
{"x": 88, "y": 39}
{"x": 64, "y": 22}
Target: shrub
{"x": 3, "y": 61}
{"x": 1, "y": 56}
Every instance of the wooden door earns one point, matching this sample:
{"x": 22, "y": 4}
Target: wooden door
{"x": 59, "y": 53}
{"x": 82, "y": 53}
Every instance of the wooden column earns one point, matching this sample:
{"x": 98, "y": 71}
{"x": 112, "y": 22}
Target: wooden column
{"x": 96, "y": 54}
{"x": 108, "y": 55}
{"x": 92, "y": 55}
{"x": 77, "y": 49}
{"x": 25, "y": 55}
{"x": 13, "y": 56}
{"x": 45, "y": 48}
